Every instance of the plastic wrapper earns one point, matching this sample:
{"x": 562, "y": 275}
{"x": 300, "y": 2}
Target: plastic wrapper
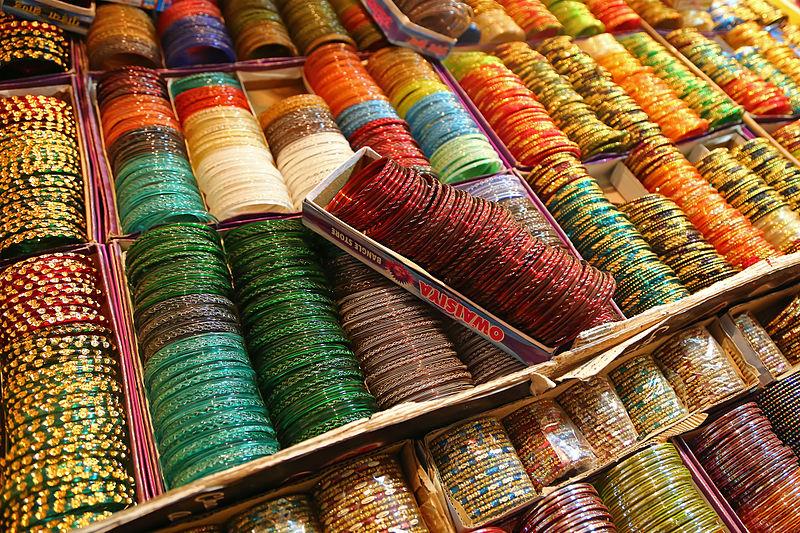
{"x": 766, "y": 350}
{"x": 291, "y": 514}
{"x": 482, "y": 474}
{"x": 697, "y": 368}
{"x": 368, "y": 493}
{"x": 595, "y": 408}
{"x": 549, "y": 444}
{"x": 781, "y": 228}
{"x": 647, "y": 395}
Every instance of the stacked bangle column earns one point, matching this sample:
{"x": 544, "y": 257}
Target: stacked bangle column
{"x": 153, "y": 179}
{"x": 307, "y": 372}
{"x": 362, "y": 110}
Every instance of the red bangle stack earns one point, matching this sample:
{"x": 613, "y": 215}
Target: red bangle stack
{"x": 477, "y": 248}
{"x": 616, "y": 15}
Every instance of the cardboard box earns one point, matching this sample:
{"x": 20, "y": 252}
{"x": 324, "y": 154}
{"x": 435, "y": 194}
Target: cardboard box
{"x": 435, "y": 518}
{"x": 406, "y": 273}
{"x": 599, "y": 366}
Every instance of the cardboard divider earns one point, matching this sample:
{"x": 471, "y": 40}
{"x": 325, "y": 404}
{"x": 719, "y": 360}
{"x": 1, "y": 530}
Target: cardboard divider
{"x": 406, "y": 273}
{"x": 399, "y": 30}
{"x": 434, "y": 516}
{"x": 599, "y": 366}
{"x": 68, "y": 92}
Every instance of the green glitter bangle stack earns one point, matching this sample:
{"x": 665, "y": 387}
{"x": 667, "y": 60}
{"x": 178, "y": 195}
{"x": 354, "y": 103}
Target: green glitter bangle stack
{"x": 205, "y": 405}
{"x": 307, "y": 372}
{"x": 716, "y": 107}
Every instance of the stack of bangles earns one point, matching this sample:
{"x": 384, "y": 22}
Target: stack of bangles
{"x": 533, "y": 17}
{"x": 784, "y": 329}
{"x": 41, "y": 176}
{"x": 765, "y": 348}
{"x": 677, "y": 242}
{"x": 229, "y": 154}
{"x": 193, "y": 32}
{"x": 648, "y": 398}
{"x": 761, "y": 157}
{"x": 628, "y": 489}
{"x": 758, "y": 96}
{"x": 359, "y": 24}
{"x": 778, "y": 54}
{"x": 603, "y": 235}
{"x": 305, "y": 141}
{"x": 201, "y": 388}
{"x": 662, "y": 168}
{"x": 67, "y": 457}
{"x": 657, "y": 14}
{"x": 257, "y": 29}
{"x": 575, "y": 17}
{"x": 452, "y": 141}
{"x": 755, "y": 61}
{"x": 31, "y": 48}
{"x": 754, "y": 198}
{"x": 567, "y": 108}
{"x": 153, "y": 179}
{"x": 494, "y": 23}
{"x": 484, "y": 360}
{"x": 312, "y": 23}
{"x": 400, "y": 341}
{"x": 675, "y": 118}
{"x": 361, "y": 109}
{"x": 524, "y": 127}
{"x": 448, "y": 17}
{"x": 788, "y": 136}
{"x": 122, "y": 35}
{"x": 616, "y": 15}
{"x": 396, "y": 215}
{"x": 709, "y": 102}
{"x": 698, "y": 368}
{"x": 308, "y": 375}
{"x": 754, "y": 470}
{"x": 610, "y": 101}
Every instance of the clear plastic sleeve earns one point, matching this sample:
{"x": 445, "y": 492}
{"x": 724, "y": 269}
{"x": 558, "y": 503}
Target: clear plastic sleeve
{"x": 647, "y": 395}
{"x": 549, "y": 444}
{"x": 593, "y": 405}
{"x": 697, "y": 368}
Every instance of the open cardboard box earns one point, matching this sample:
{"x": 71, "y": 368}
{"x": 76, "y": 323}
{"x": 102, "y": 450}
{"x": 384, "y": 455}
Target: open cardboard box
{"x": 435, "y": 518}
{"x": 68, "y": 91}
{"x": 600, "y": 366}
{"x": 263, "y": 86}
{"x": 407, "y": 274}
{"x": 410, "y": 420}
